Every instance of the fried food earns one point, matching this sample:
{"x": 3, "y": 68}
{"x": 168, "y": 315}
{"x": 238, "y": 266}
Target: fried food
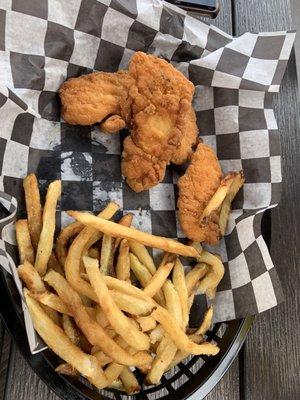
{"x": 196, "y": 187}
{"x": 26, "y": 251}
{"x": 153, "y": 99}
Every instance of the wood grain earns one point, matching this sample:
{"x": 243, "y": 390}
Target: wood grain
{"x": 272, "y": 348}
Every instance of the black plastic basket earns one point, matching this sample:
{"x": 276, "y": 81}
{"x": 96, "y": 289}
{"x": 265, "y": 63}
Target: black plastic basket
{"x": 196, "y": 374}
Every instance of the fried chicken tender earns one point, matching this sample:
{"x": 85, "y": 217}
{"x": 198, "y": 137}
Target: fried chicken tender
{"x": 92, "y": 98}
{"x": 196, "y": 187}
{"x": 153, "y": 100}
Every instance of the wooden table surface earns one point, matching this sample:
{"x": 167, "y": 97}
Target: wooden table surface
{"x": 268, "y": 366}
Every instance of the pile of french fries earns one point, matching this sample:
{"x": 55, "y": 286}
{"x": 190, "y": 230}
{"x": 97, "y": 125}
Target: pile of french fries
{"x": 98, "y": 300}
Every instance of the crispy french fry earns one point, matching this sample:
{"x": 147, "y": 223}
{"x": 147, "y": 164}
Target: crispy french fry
{"x": 33, "y": 207}
{"x": 237, "y": 183}
{"x": 94, "y": 253}
{"x": 26, "y": 251}
{"x": 117, "y": 319}
{"x": 126, "y": 287}
{"x": 140, "y": 251}
{"x": 126, "y": 220}
{"x": 211, "y": 280}
{"x": 129, "y": 381}
{"x": 130, "y": 304}
{"x": 179, "y": 338}
{"x": 63, "y": 239}
{"x": 117, "y": 385}
{"x": 70, "y": 329}
{"x": 113, "y": 371}
{"x": 106, "y": 257}
{"x": 66, "y": 369}
{"x": 57, "y": 340}
{"x": 102, "y": 358}
{"x": 116, "y": 230}
{"x": 51, "y": 300}
{"x": 181, "y": 354}
{"x": 181, "y": 289}
{"x": 101, "y": 317}
{"x": 173, "y": 304}
{"x": 146, "y": 323}
{"x": 194, "y": 275}
{"x": 123, "y": 263}
{"x": 45, "y": 245}
{"x": 90, "y": 328}
{"x": 156, "y": 334}
{"x": 85, "y": 239}
{"x": 54, "y": 264}
{"x": 31, "y": 278}
{"x": 206, "y": 323}
{"x": 158, "y": 279}
{"x": 219, "y": 196}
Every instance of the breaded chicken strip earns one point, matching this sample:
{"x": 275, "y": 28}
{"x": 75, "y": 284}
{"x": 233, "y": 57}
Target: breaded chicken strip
{"x": 196, "y": 188}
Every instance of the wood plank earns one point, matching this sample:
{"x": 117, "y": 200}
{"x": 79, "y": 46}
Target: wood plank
{"x": 272, "y": 351}
{"x": 23, "y": 384}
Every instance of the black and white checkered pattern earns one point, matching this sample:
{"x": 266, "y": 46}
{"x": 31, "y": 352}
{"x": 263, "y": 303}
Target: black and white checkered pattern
{"x": 43, "y": 43}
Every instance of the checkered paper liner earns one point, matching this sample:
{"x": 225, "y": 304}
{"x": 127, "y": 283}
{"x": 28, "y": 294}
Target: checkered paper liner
{"x": 43, "y": 43}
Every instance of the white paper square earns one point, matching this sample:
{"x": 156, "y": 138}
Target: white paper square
{"x": 5, "y": 5}
{"x": 230, "y": 165}
{"x": 8, "y": 114}
{"x": 203, "y": 98}
{"x": 127, "y": 54}
{"x": 245, "y": 232}
{"x": 110, "y": 142}
{"x": 65, "y": 219}
{"x": 264, "y": 292}
{"x": 85, "y": 49}
{"x": 270, "y": 119}
{"x": 45, "y": 134}
{"x": 211, "y": 140}
{"x": 209, "y": 61}
{"x": 249, "y": 141}
{"x": 224, "y": 306}
{"x": 251, "y": 98}
{"x": 25, "y": 34}
{"x": 15, "y": 166}
{"x": 142, "y": 220}
{"x": 67, "y": 167}
{"x": 5, "y": 71}
{"x": 162, "y": 197}
{"x": 55, "y": 73}
{"x": 287, "y": 46}
{"x": 221, "y": 79}
{"x": 275, "y": 166}
{"x": 195, "y": 32}
{"x": 260, "y": 71}
{"x": 232, "y": 220}
{"x": 265, "y": 253}
{"x": 100, "y": 194}
{"x": 257, "y": 195}
{"x": 244, "y": 44}
{"x": 227, "y": 119}
{"x": 274, "y": 88}
{"x": 30, "y": 97}
{"x": 149, "y": 13}
{"x": 115, "y": 27}
{"x": 64, "y": 12}
{"x": 239, "y": 272}
{"x": 165, "y": 45}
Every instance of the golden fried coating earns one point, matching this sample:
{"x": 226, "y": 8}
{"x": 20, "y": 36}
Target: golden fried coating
{"x": 112, "y": 124}
{"x": 196, "y": 187}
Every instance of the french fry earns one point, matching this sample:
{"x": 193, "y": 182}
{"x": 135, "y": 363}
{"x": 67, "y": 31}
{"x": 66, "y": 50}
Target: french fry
{"x": 206, "y": 323}
{"x": 117, "y": 385}
{"x": 211, "y": 280}
{"x": 117, "y": 319}
{"x": 57, "y": 340}
{"x": 70, "y": 329}
{"x": 113, "y": 371}
{"x": 181, "y": 289}
{"x": 219, "y": 196}
{"x": 51, "y": 300}
{"x": 45, "y": 244}
{"x": 165, "y": 355}
{"x": 126, "y": 220}
{"x": 101, "y": 317}
{"x": 31, "y": 278}
{"x": 90, "y": 328}
{"x": 130, "y": 304}
{"x": 94, "y": 253}
{"x": 181, "y": 354}
{"x": 129, "y": 381}
{"x": 85, "y": 239}
{"x": 144, "y": 276}
{"x": 237, "y": 183}
{"x": 26, "y": 251}
{"x": 66, "y": 369}
{"x": 102, "y": 358}
{"x": 194, "y": 275}
{"x": 158, "y": 279}
{"x": 54, "y": 264}
{"x": 156, "y": 334}
{"x": 179, "y": 338}
{"x": 173, "y": 304}
{"x": 140, "y": 251}
{"x": 123, "y": 263}
{"x": 116, "y": 230}
{"x": 63, "y": 239}
{"x": 126, "y": 287}
{"x": 106, "y": 257}
{"x": 34, "y": 208}
{"x": 146, "y": 323}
